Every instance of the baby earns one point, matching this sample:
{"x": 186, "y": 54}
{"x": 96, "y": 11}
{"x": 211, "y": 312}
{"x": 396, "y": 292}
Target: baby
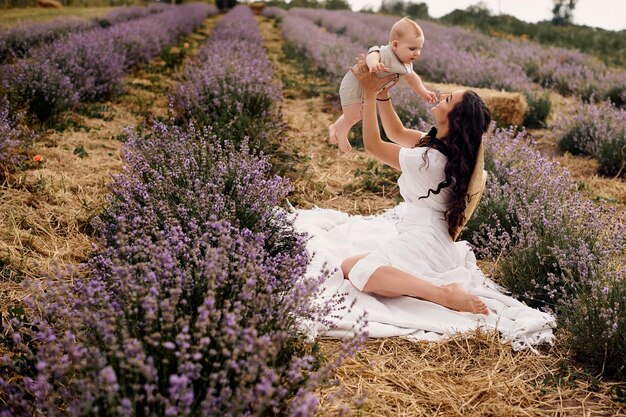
{"x": 406, "y": 40}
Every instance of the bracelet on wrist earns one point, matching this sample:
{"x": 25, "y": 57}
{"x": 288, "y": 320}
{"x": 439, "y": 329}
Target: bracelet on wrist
{"x": 383, "y": 99}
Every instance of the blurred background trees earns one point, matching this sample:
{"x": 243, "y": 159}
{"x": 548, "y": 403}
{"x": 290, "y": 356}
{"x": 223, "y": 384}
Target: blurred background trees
{"x": 563, "y": 11}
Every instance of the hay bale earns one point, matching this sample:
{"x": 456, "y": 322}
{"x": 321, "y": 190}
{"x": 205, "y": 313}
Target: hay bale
{"x": 52, "y": 4}
{"x": 507, "y": 108}
{"x": 257, "y": 7}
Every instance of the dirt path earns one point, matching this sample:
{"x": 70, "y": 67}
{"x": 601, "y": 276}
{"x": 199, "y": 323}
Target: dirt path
{"x": 469, "y": 375}
{"x": 47, "y": 208}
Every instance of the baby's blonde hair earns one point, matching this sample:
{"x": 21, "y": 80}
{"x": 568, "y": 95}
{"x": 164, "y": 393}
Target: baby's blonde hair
{"x": 405, "y": 27}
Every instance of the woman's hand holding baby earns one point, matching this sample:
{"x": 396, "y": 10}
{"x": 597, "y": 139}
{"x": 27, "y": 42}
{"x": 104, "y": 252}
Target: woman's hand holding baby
{"x": 369, "y": 82}
{"x": 378, "y": 67}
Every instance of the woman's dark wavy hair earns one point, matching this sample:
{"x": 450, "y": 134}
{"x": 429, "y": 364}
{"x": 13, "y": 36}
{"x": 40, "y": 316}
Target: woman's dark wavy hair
{"x": 467, "y": 122}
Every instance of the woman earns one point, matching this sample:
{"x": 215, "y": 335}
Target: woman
{"x": 436, "y": 170}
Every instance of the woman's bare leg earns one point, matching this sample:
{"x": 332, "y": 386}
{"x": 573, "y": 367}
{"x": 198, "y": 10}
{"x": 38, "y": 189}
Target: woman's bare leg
{"x": 348, "y": 263}
{"x": 391, "y": 282}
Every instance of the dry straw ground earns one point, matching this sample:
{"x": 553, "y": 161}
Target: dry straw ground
{"x": 27, "y": 14}
{"x": 467, "y": 375}
{"x": 46, "y": 209}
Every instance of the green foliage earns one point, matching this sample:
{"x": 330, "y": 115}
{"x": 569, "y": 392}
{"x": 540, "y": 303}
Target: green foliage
{"x": 377, "y": 178}
{"x": 611, "y": 155}
{"x": 595, "y": 322}
{"x": 81, "y": 152}
{"x": 311, "y": 4}
{"x": 16, "y": 327}
{"x": 336, "y": 5}
{"x": 225, "y": 4}
{"x": 619, "y": 395}
{"x": 539, "y": 108}
{"x": 535, "y": 270}
{"x": 568, "y": 143}
{"x": 608, "y": 46}
{"x": 562, "y": 12}
{"x": 173, "y": 56}
{"x": 401, "y": 8}
{"x": 567, "y": 375}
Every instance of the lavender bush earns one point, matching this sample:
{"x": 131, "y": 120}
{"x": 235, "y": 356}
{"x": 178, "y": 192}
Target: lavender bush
{"x": 19, "y": 40}
{"x": 126, "y": 13}
{"x": 509, "y": 64}
{"x": 597, "y": 325}
{"x": 230, "y": 86}
{"x": 273, "y": 12}
{"x": 552, "y": 246}
{"x": 598, "y": 130}
{"x": 39, "y": 87}
{"x": 143, "y": 42}
{"x": 196, "y": 291}
{"x": 90, "y": 65}
{"x": 482, "y": 61}
{"x": 195, "y": 296}
{"x": 331, "y": 53}
{"x": 11, "y": 141}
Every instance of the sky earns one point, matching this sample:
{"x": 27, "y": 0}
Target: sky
{"x": 605, "y": 14}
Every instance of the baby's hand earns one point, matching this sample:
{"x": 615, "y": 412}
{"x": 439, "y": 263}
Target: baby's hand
{"x": 378, "y": 67}
{"x": 429, "y": 96}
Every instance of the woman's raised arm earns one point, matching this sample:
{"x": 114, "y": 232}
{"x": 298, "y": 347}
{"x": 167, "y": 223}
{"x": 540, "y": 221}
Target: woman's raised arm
{"x": 394, "y": 129}
{"x": 385, "y": 152}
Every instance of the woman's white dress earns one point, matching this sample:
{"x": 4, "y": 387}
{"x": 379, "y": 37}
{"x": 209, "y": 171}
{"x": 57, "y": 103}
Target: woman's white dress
{"x": 412, "y": 237}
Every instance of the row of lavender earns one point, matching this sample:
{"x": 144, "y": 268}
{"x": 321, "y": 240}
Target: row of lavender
{"x": 598, "y": 130}
{"x": 17, "y": 41}
{"x": 460, "y": 56}
{"x": 89, "y": 66}
{"x": 553, "y": 248}
{"x": 196, "y": 290}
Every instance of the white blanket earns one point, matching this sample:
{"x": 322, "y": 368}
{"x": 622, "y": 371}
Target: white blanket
{"x": 336, "y": 235}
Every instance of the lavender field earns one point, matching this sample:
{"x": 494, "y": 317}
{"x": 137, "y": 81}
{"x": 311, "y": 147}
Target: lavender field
{"x": 149, "y": 265}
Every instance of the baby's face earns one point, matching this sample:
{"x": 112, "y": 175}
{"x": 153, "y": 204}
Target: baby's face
{"x": 408, "y": 48}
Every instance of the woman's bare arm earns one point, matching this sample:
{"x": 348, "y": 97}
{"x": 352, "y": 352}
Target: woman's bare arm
{"x": 385, "y": 152}
{"x": 394, "y": 129}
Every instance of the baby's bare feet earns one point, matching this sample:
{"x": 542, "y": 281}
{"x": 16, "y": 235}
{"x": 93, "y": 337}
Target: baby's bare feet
{"x": 456, "y": 298}
{"x": 332, "y": 134}
{"x": 344, "y": 145}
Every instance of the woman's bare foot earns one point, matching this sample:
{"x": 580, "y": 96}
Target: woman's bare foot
{"x": 456, "y": 298}
{"x": 332, "y": 134}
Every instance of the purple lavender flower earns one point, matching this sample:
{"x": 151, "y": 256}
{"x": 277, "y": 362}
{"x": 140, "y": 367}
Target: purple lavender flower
{"x": 598, "y": 130}
{"x": 194, "y": 294}
{"x": 20, "y": 40}
{"x": 479, "y": 60}
{"x": 554, "y": 248}
{"x": 90, "y": 65}
{"x": 11, "y": 140}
